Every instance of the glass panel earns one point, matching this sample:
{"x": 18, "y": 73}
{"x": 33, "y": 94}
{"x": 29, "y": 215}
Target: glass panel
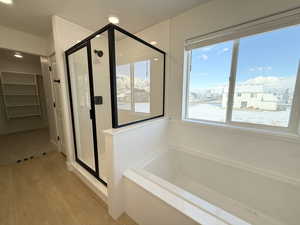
{"x": 79, "y": 74}
{"x": 142, "y": 86}
{"x": 208, "y": 82}
{"x": 101, "y": 77}
{"x": 124, "y": 87}
{"x": 140, "y": 71}
{"x": 266, "y": 75}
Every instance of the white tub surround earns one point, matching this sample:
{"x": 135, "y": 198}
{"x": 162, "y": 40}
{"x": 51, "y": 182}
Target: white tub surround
{"x": 128, "y": 147}
{"x": 194, "y": 189}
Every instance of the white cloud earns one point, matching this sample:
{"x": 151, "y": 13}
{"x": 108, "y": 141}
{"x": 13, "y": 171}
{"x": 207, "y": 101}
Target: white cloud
{"x": 203, "y": 57}
{"x": 225, "y": 49}
{"x": 260, "y": 68}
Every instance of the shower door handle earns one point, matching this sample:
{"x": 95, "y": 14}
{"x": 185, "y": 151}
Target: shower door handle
{"x": 98, "y": 100}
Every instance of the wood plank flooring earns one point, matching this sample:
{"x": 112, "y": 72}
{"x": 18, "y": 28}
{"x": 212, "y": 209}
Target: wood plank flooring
{"x": 42, "y": 191}
{"x": 23, "y": 145}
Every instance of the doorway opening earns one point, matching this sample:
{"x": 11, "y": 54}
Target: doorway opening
{"x": 25, "y": 105}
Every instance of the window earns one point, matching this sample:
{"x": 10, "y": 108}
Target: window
{"x": 208, "y": 81}
{"x": 247, "y": 81}
{"x": 133, "y": 86}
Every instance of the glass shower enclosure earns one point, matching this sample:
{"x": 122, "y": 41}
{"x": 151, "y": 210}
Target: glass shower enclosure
{"x": 115, "y": 79}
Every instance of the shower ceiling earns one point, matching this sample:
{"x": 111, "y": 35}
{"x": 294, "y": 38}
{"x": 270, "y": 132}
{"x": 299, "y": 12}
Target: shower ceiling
{"x": 34, "y": 16}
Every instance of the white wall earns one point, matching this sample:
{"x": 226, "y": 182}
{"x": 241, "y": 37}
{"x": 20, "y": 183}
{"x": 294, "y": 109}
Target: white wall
{"x": 65, "y": 35}
{"x": 127, "y": 148}
{"x": 21, "y": 41}
{"x": 263, "y": 151}
{"x": 49, "y": 100}
{"x": 29, "y": 64}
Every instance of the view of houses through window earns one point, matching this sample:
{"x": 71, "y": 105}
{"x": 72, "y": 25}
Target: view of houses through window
{"x": 265, "y": 79}
{"x": 133, "y": 86}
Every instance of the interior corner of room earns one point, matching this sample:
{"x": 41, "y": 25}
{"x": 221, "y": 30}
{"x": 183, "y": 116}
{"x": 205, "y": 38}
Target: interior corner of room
{"x": 187, "y": 116}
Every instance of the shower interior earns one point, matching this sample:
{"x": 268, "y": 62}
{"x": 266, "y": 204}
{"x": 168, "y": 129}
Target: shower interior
{"x": 115, "y": 79}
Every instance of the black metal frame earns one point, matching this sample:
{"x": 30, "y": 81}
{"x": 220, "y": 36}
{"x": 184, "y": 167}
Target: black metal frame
{"x": 113, "y": 87}
{"x": 113, "y": 77}
{"x": 95, "y": 172}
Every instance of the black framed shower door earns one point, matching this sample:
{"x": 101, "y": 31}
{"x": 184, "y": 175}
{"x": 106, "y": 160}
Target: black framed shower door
{"x": 92, "y": 169}
{"x": 110, "y": 28}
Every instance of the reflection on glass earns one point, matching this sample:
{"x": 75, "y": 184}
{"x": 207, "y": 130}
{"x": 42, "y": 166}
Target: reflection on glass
{"x": 142, "y": 86}
{"x": 79, "y": 75}
{"x": 208, "y": 82}
{"x": 266, "y": 75}
{"x": 140, "y": 71}
{"x": 124, "y": 87}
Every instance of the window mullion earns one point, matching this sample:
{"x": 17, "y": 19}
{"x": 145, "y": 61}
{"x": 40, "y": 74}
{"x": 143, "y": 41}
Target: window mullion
{"x": 187, "y": 86}
{"x": 132, "y": 87}
{"x": 232, "y": 79}
{"x": 295, "y": 110}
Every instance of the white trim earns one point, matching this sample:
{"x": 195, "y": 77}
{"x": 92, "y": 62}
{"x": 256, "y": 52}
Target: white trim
{"x": 113, "y": 132}
{"x": 277, "y": 135}
{"x": 98, "y": 188}
{"x": 237, "y": 164}
{"x": 232, "y": 78}
{"x": 193, "y": 212}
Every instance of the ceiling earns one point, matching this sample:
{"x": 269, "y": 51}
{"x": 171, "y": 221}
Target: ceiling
{"x": 34, "y": 16}
{"x": 9, "y": 55}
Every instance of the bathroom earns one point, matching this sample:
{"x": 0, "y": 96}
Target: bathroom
{"x": 193, "y": 119}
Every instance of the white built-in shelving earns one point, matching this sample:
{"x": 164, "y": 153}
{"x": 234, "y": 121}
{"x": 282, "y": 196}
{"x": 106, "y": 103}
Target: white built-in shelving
{"x": 20, "y": 95}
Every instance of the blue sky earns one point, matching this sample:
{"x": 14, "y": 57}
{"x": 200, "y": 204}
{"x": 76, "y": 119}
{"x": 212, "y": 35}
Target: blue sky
{"x": 273, "y": 53}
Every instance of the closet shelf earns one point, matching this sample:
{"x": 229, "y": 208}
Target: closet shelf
{"x": 23, "y": 84}
{"x": 24, "y": 105}
{"x": 20, "y": 95}
{"x": 24, "y": 115}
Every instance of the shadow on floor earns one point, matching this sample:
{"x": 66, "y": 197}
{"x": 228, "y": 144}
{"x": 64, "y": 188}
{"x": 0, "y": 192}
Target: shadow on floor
{"x": 24, "y": 146}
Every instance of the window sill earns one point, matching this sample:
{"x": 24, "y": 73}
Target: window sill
{"x": 278, "y": 135}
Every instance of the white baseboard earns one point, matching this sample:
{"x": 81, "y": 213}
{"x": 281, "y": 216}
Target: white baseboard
{"x": 98, "y": 188}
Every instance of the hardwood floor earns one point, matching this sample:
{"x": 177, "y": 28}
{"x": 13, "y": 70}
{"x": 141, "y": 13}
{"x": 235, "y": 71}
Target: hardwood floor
{"x": 42, "y": 191}
{"x": 23, "y": 145}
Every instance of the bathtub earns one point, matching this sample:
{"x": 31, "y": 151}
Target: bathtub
{"x": 187, "y": 188}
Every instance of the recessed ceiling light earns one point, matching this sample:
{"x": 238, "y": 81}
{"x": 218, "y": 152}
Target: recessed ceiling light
{"x": 18, "y": 55}
{"x": 113, "y": 19}
{"x": 155, "y": 59}
{"x": 98, "y": 35}
{"x": 8, "y": 2}
{"x": 153, "y": 43}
